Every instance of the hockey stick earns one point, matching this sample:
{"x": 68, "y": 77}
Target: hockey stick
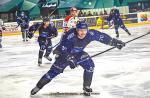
{"x": 51, "y": 17}
{"x": 55, "y": 8}
{"x": 86, "y": 58}
{"x": 56, "y": 45}
{"x": 17, "y": 17}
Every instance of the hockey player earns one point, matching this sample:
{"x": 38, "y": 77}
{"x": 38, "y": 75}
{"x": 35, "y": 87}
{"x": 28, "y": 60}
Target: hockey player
{"x": 2, "y": 27}
{"x": 115, "y": 17}
{"x": 23, "y": 21}
{"x": 71, "y": 53}
{"x": 71, "y": 20}
{"x": 46, "y": 32}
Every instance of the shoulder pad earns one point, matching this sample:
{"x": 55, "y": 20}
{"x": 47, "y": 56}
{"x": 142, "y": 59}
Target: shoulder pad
{"x": 67, "y": 18}
{"x": 91, "y": 31}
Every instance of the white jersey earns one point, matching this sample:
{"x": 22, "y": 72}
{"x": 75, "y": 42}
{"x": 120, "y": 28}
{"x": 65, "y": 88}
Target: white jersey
{"x": 1, "y": 28}
{"x": 1, "y": 24}
{"x": 69, "y": 22}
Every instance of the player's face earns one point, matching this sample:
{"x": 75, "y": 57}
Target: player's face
{"x": 82, "y": 33}
{"x": 46, "y": 23}
{"x": 73, "y": 12}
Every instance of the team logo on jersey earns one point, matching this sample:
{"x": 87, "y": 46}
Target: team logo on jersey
{"x": 70, "y": 36}
{"x": 91, "y": 32}
{"x": 64, "y": 48}
{"x": 101, "y": 38}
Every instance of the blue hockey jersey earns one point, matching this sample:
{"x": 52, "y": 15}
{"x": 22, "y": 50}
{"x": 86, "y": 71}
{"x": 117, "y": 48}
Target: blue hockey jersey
{"x": 50, "y": 31}
{"x": 115, "y": 16}
{"x": 72, "y": 44}
{"x": 23, "y": 21}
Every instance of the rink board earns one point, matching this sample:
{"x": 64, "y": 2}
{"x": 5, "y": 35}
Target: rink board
{"x": 94, "y": 27}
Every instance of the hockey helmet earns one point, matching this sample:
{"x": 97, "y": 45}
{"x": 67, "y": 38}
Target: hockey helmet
{"x": 81, "y": 25}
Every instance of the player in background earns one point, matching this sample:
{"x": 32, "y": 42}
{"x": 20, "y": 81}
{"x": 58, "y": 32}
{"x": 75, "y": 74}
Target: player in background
{"x": 110, "y": 23}
{"x": 2, "y": 27}
{"x": 115, "y": 17}
{"x": 68, "y": 23}
{"x": 71, "y": 53}
{"x": 47, "y": 31}
{"x": 23, "y": 21}
{"x": 71, "y": 20}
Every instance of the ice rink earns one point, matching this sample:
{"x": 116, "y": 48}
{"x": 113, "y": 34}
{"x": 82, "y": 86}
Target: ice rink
{"x": 118, "y": 73}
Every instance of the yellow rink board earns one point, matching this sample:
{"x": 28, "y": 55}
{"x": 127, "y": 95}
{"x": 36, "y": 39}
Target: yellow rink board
{"x": 94, "y": 27}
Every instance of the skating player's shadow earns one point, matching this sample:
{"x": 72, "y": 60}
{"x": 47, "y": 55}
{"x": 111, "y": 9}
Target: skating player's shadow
{"x": 69, "y": 94}
{"x": 65, "y": 95}
{"x": 117, "y": 75}
{"x": 38, "y": 96}
{"x": 46, "y": 65}
{"x": 112, "y": 75}
{"x": 1, "y": 50}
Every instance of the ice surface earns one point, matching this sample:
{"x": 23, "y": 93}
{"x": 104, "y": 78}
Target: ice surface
{"x": 118, "y": 74}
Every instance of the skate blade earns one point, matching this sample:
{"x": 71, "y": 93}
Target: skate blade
{"x": 87, "y": 93}
{"x": 39, "y": 64}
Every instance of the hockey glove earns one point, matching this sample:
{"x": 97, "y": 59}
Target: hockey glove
{"x": 117, "y": 43}
{"x": 72, "y": 61}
